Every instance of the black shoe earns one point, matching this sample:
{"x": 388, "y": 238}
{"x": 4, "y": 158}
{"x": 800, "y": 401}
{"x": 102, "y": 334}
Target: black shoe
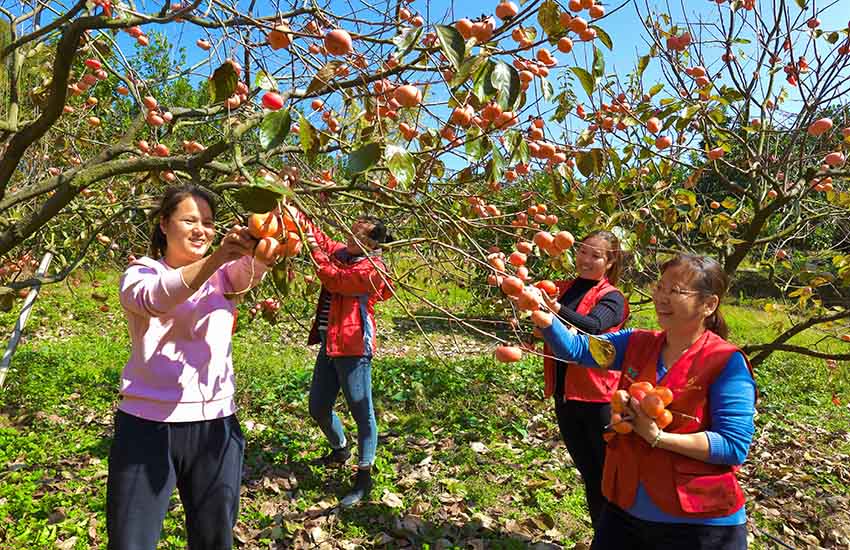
{"x": 362, "y": 487}
{"x": 337, "y": 457}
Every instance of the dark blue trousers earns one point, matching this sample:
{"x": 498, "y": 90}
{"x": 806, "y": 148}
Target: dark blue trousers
{"x": 148, "y": 459}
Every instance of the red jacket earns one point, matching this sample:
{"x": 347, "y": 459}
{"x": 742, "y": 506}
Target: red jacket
{"x": 678, "y": 485}
{"x": 355, "y": 284}
{"x": 586, "y": 383}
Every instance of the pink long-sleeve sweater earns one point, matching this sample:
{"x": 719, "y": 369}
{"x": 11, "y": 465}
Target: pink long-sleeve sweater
{"x": 180, "y": 368}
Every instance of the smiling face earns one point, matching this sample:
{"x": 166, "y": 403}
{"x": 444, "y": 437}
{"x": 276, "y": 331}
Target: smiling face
{"x": 592, "y": 258}
{"x": 360, "y": 229}
{"x": 678, "y": 306}
{"x": 189, "y": 231}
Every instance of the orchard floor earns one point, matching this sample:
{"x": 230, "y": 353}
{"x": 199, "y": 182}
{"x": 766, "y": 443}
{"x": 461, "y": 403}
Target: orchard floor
{"x": 469, "y": 454}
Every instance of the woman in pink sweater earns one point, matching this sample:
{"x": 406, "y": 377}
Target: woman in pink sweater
{"x": 175, "y": 425}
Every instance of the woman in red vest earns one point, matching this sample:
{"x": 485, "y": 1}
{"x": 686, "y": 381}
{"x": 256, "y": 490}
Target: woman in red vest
{"x": 592, "y": 303}
{"x": 675, "y": 487}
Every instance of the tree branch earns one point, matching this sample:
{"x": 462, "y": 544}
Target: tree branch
{"x": 764, "y": 350}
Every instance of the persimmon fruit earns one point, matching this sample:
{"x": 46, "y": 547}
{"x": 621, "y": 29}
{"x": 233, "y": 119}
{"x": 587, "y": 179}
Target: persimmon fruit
{"x": 264, "y": 225}
{"x": 508, "y": 354}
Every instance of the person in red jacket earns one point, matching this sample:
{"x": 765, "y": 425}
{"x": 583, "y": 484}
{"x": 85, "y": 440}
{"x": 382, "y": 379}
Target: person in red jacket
{"x": 670, "y": 481}
{"x": 591, "y": 302}
{"x": 354, "y": 278}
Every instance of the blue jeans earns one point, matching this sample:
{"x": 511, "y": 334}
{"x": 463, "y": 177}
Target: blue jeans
{"x": 354, "y": 376}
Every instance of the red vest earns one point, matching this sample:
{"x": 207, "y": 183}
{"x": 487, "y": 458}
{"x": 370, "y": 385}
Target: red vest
{"x": 583, "y": 383}
{"x": 678, "y": 485}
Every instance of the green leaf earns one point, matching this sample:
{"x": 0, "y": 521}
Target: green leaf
{"x": 598, "y": 63}
{"x": 400, "y": 164}
{"x": 585, "y": 138}
{"x": 590, "y": 162}
{"x": 264, "y": 81}
{"x": 643, "y": 62}
{"x": 603, "y": 37}
{"x": 655, "y": 89}
{"x": 307, "y": 136}
{"x": 280, "y": 278}
{"x": 469, "y": 66}
{"x": 514, "y": 143}
{"x": 481, "y": 85}
{"x": 546, "y": 87}
{"x": 223, "y": 83}
{"x": 7, "y": 300}
{"x": 731, "y": 94}
{"x": 549, "y": 17}
{"x": 323, "y": 77}
{"x": 717, "y": 116}
{"x": 452, "y": 44}
{"x": 802, "y": 4}
{"x": 832, "y": 37}
{"x": 685, "y": 197}
{"x": 615, "y": 162}
{"x": 505, "y": 79}
{"x": 496, "y": 165}
{"x": 406, "y": 40}
{"x": 557, "y": 186}
{"x": 259, "y": 197}
{"x": 274, "y": 129}
{"x": 364, "y": 158}
{"x": 476, "y": 145}
{"x": 586, "y": 80}
{"x": 565, "y": 105}
{"x": 689, "y": 111}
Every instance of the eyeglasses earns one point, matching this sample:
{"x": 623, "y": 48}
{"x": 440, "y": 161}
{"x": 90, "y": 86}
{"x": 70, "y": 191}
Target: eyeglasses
{"x": 674, "y": 292}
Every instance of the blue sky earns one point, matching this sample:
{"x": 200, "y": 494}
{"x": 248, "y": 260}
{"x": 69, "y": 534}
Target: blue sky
{"x": 623, "y": 26}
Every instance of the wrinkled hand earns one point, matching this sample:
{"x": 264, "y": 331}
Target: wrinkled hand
{"x": 643, "y": 425}
{"x": 550, "y": 302}
{"x": 542, "y": 319}
{"x": 236, "y": 243}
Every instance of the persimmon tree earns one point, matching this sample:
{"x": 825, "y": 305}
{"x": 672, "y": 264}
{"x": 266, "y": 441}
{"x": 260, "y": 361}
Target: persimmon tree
{"x": 466, "y": 131}
{"x": 738, "y": 152}
{"x": 375, "y": 106}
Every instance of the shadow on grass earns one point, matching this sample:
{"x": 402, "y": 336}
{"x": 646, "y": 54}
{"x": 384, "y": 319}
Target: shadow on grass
{"x": 302, "y": 507}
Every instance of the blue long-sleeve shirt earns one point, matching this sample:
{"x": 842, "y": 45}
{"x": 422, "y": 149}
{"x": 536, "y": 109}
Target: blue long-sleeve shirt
{"x": 731, "y": 403}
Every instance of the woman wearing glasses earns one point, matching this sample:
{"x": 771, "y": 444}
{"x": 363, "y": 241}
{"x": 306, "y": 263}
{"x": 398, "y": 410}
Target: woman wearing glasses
{"x": 582, "y": 396}
{"x": 675, "y": 488}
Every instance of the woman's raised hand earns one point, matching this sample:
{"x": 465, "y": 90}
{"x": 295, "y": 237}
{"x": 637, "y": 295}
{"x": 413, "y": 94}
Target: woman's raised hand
{"x": 236, "y": 243}
{"x": 289, "y": 174}
{"x": 541, "y": 319}
{"x": 551, "y": 302}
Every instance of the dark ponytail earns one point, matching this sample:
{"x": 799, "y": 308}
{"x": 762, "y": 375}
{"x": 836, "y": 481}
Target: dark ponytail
{"x": 710, "y": 280}
{"x": 172, "y": 197}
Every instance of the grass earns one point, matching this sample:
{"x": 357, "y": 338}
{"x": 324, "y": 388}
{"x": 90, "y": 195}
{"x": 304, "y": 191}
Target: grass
{"x": 468, "y": 450}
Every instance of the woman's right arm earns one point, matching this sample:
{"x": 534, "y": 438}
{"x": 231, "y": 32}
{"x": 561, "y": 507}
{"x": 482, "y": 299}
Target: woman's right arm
{"x": 147, "y": 291}
{"x": 328, "y": 245}
{"x": 568, "y": 346}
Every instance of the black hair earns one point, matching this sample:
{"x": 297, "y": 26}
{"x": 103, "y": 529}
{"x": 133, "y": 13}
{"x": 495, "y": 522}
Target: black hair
{"x": 379, "y": 232}
{"x": 172, "y": 197}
